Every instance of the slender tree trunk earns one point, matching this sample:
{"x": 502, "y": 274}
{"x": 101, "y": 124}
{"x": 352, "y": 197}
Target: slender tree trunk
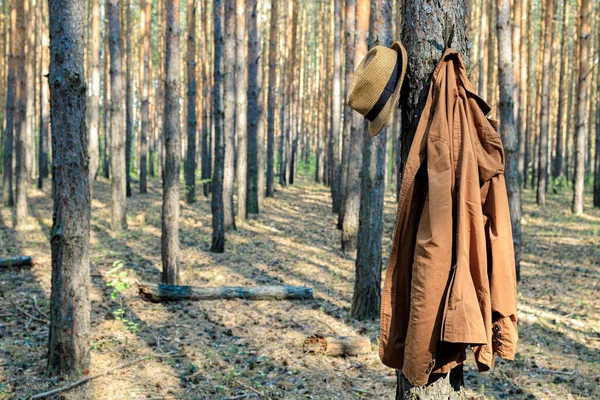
{"x": 523, "y": 92}
{"x": 597, "y": 160}
{"x": 352, "y": 199}
{"x": 367, "y": 285}
{"x": 192, "y": 122}
{"x": 350, "y": 28}
{"x": 170, "y": 205}
{"x": 145, "y": 20}
{"x": 336, "y": 108}
{"x": 271, "y": 102}
{"x": 229, "y": 113}
{"x": 580, "y": 124}
{"x": 241, "y": 87}
{"x": 218, "y": 218}
{"x": 107, "y": 98}
{"x": 557, "y": 166}
{"x": 20, "y": 122}
{"x": 423, "y": 22}
{"x": 69, "y": 333}
{"x": 44, "y": 99}
{"x": 94, "y": 100}
{"x": 29, "y": 93}
{"x": 117, "y": 126}
{"x": 508, "y": 132}
{"x": 255, "y": 108}
{"x": 483, "y": 50}
{"x": 545, "y": 114}
{"x": 128, "y": 99}
{"x": 11, "y": 93}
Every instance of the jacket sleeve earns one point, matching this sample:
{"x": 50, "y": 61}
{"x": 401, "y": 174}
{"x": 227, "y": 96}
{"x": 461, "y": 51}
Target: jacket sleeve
{"x": 501, "y": 267}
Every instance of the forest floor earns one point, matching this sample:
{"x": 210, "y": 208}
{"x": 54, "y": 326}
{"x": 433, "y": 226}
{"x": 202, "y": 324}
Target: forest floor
{"x": 234, "y": 349}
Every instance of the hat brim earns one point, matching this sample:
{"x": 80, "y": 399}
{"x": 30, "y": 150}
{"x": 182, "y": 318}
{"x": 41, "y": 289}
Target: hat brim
{"x": 380, "y": 122}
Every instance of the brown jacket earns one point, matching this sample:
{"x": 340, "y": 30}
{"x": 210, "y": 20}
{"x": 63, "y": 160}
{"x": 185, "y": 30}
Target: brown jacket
{"x": 450, "y": 280}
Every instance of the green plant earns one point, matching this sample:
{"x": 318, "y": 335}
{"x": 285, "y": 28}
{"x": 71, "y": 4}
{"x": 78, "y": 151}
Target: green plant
{"x": 119, "y": 284}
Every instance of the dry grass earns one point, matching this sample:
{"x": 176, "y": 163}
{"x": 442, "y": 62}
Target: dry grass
{"x": 228, "y": 349}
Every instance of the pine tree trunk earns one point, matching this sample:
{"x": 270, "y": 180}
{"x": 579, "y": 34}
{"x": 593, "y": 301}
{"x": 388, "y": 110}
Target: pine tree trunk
{"x": 523, "y": 92}
{"x": 597, "y": 160}
{"x": 69, "y": 336}
{"x": 582, "y": 88}
{"x": 241, "y": 87}
{"x": 128, "y": 97}
{"x": 271, "y": 101}
{"x": 192, "y": 123}
{"x": 545, "y": 114}
{"x": 352, "y": 200}
{"x": 94, "y": 100}
{"x": 117, "y": 118}
{"x": 29, "y": 93}
{"x": 557, "y": 166}
{"x": 218, "y": 222}
{"x": 171, "y": 132}
{"x": 423, "y": 22}
{"x": 20, "y": 122}
{"x": 11, "y": 89}
{"x": 229, "y": 113}
{"x": 255, "y": 107}
{"x": 336, "y": 107}
{"x": 367, "y": 285}
{"x": 107, "y": 99}
{"x": 44, "y": 99}
{"x": 507, "y": 128}
{"x": 145, "y": 19}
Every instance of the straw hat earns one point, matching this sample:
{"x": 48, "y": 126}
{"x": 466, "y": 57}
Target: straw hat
{"x": 375, "y": 87}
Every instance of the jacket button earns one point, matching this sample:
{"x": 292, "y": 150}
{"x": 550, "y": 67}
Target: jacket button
{"x": 433, "y": 355}
{"x": 428, "y": 370}
{"x": 431, "y": 364}
{"x": 496, "y": 328}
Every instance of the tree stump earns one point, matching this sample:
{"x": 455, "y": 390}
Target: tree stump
{"x": 440, "y": 387}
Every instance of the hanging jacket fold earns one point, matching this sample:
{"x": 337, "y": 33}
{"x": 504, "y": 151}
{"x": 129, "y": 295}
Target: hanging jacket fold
{"x": 450, "y": 281}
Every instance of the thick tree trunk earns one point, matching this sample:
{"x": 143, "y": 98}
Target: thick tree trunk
{"x": 367, "y": 285}
{"x": 352, "y": 200}
{"x": 271, "y": 100}
{"x": 145, "y": 132}
{"x": 255, "y": 108}
{"x": 241, "y": 88}
{"x": 44, "y": 98}
{"x": 117, "y": 118}
{"x": 171, "y": 134}
{"x": 218, "y": 222}
{"x": 229, "y": 113}
{"x": 580, "y": 124}
{"x": 20, "y": 122}
{"x": 545, "y": 114}
{"x": 507, "y": 128}
{"x": 336, "y": 108}
{"x": 94, "y": 100}
{"x": 192, "y": 122}
{"x": 11, "y": 89}
{"x": 69, "y": 336}
{"x": 440, "y": 387}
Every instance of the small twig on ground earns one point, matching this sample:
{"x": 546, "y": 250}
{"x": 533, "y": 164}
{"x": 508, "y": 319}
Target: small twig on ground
{"x": 85, "y": 380}
{"x": 258, "y": 392}
{"x": 359, "y": 390}
{"x": 45, "y": 321}
{"x": 549, "y": 371}
{"x": 241, "y": 396}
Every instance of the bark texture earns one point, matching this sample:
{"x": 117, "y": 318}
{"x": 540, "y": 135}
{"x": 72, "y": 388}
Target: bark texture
{"x": 20, "y": 123}
{"x": 163, "y": 293}
{"x": 336, "y": 107}
{"x": 69, "y": 340}
{"x": 241, "y": 88}
{"x": 94, "y": 100}
{"x": 44, "y": 125}
{"x": 11, "y": 88}
{"x": 271, "y": 99}
{"x": 192, "y": 121}
{"x": 117, "y": 120}
{"x": 145, "y": 132}
{"x": 229, "y": 112}
{"x": 128, "y": 97}
{"x": 171, "y": 135}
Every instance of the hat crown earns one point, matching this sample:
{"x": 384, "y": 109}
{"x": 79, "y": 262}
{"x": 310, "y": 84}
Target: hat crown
{"x": 370, "y": 78}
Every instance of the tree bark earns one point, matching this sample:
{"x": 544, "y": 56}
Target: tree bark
{"x": 580, "y": 124}
{"x": 218, "y": 222}
{"x": 128, "y": 99}
{"x": 271, "y": 100}
{"x": 94, "y": 100}
{"x": 20, "y": 122}
{"x": 255, "y": 108}
{"x": 523, "y": 91}
{"x": 107, "y": 121}
{"x": 367, "y": 285}
{"x": 545, "y": 114}
{"x": 192, "y": 122}
{"x": 229, "y": 113}
{"x": 597, "y": 159}
{"x": 44, "y": 98}
{"x": 11, "y": 89}
{"x": 336, "y": 108}
{"x": 69, "y": 333}
{"x": 163, "y": 293}
{"x": 117, "y": 118}
{"x": 241, "y": 87}
{"x": 206, "y": 107}
{"x": 557, "y": 166}
{"x": 170, "y": 205}
{"x": 352, "y": 200}
{"x": 145, "y": 132}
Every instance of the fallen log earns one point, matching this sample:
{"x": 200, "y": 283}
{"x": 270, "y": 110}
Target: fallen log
{"x": 161, "y": 293}
{"x": 337, "y": 346}
{"x": 21, "y": 261}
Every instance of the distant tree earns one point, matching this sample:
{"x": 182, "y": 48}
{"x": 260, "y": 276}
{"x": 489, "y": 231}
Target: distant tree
{"x": 20, "y": 122}
{"x": 229, "y": 112}
{"x": 192, "y": 121}
{"x": 218, "y": 217}
{"x": 557, "y": 165}
{"x": 545, "y": 114}
{"x": 69, "y": 332}
{"x": 206, "y": 104}
{"x": 145, "y": 24}
{"x": 241, "y": 87}
{"x": 336, "y": 108}
{"x": 106, "y": 100}
{"x": 582, "y": 88}
{"x": 271, "y": 100}
{"x": 117, "y": 118}
{"x": 128, "y": 97}
{"x": 171, "y": 134}
{"x": 94, "y": 100}
{"x": 44, "y": 122}
{"x": 11, "y": 93}
{"x": 255, "y": 108}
